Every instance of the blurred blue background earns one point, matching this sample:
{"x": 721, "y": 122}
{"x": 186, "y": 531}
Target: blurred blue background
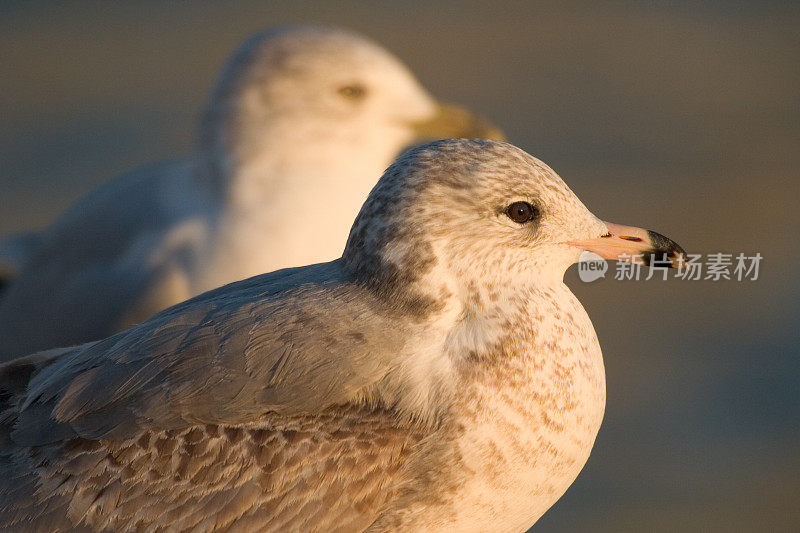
{"x": 679, "y": 116}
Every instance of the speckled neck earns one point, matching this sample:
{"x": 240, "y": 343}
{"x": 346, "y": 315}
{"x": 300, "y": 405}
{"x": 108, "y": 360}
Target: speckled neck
{"x": 531, "y": 400}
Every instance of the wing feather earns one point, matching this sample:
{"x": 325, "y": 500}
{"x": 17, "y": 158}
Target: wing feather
{"x": 284, "y": 345}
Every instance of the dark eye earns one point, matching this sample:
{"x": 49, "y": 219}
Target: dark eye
{"x": 353, "y": 92}
{"x": 521, "y": 212}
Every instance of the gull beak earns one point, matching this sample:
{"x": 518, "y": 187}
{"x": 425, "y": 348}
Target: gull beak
{"x": 450, "y": 122}
{"x": 627, "y": 243}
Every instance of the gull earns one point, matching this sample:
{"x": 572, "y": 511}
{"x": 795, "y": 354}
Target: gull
{"x": 438, "y": 376}
{"x": 301, "y": 123}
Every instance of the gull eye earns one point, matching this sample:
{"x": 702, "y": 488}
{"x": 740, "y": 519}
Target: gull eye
{"x": 521, "y": 212}
{"x": 353, "y": 92}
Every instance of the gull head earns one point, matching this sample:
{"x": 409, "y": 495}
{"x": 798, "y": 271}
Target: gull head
{"x": 468, "y": 218}
{"x": 330, "y": 94}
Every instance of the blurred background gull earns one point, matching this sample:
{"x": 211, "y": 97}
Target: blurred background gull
{"x": 300, "y": 122}
{"x": 694, "y": 104}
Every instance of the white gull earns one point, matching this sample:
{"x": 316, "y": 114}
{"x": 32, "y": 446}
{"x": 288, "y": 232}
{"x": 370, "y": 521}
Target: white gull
{"x": 301, "y": 123}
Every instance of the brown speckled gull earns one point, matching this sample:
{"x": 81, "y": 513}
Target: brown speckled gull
{"x": 439, "y": 376}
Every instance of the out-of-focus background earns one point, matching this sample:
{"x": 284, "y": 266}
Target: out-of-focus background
{"x": 679, "y": 116}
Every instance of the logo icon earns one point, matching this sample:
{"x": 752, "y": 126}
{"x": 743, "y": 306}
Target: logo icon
{"x": 591, "y": 267}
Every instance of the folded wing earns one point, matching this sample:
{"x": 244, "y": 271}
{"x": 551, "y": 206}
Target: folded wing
{"x": 275, "y": 343}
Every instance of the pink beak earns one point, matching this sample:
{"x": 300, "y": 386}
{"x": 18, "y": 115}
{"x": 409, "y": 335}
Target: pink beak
{"x": 628, "y": 243}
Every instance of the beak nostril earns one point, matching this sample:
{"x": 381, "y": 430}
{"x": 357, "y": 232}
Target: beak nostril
{"x": 635, "y": 244}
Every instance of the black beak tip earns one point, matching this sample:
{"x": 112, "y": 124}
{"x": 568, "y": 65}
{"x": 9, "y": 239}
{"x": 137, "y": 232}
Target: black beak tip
{"x": 665, "y": 252}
